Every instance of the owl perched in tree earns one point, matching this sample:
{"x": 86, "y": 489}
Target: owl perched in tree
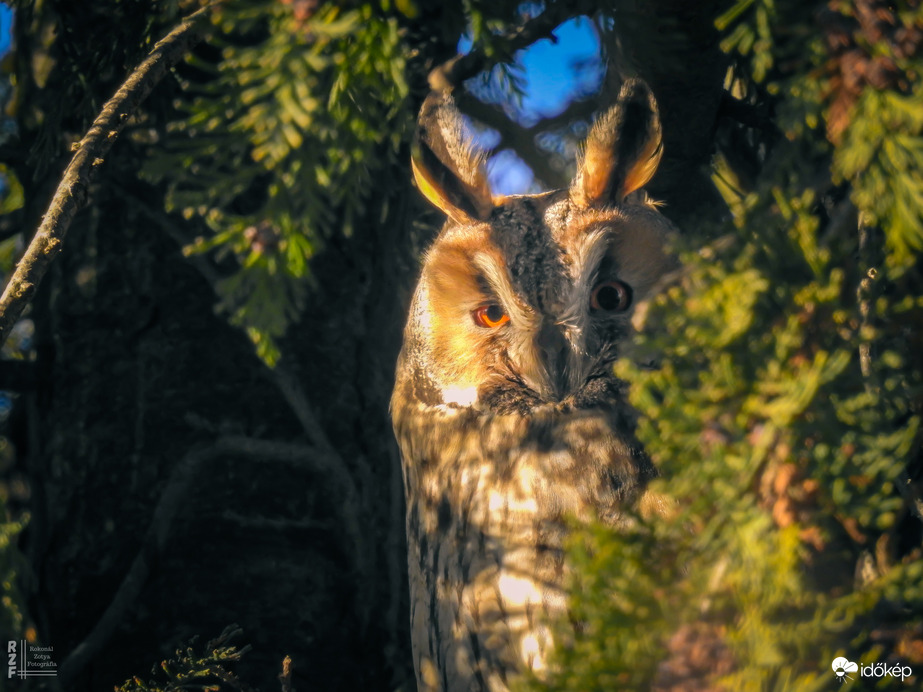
{"x": 508, "y": 415}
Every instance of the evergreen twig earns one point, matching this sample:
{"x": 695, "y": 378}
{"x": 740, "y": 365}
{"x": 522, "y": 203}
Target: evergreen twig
{"x": 866, "y": 309}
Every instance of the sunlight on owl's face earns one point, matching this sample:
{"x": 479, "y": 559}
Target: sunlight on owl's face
{"x": 543, "y": 310}
{"x": 524, "y": 300}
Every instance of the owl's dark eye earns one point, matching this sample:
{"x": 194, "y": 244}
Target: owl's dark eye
{"x": 611, "y": 296}
{"x": 490, "y": 316}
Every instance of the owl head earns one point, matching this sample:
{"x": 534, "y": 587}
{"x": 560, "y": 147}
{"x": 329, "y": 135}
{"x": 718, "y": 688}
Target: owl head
{"x": 523, "y": 300}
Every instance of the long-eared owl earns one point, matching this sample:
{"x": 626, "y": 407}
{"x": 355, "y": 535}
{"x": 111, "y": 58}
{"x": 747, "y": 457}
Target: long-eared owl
{"x": 505, "y": 407}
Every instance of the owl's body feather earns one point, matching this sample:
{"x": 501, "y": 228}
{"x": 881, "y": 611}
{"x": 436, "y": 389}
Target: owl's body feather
{"x": 509, "y": 419}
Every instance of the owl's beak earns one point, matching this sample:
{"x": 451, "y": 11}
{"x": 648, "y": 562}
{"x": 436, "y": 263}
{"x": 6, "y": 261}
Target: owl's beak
{"x": 556, "y": 354}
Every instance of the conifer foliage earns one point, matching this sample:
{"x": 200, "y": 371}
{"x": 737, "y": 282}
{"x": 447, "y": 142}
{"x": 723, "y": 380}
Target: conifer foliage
{"x": 784, "y": 412}
{"x": 281, "y": 143}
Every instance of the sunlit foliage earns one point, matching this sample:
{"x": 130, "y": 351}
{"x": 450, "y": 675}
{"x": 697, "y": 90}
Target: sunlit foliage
{"x": 209, "y": 667}
{"x": 784, "y": 413}
{"x": 290, "y": 120}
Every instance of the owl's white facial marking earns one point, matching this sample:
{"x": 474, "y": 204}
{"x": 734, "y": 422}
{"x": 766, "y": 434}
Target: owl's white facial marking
{"x": 460, "y": 396}
{"x": 575, "y": 337}
{"x": 585, "y": 258}
{"x": 498, "y": 280}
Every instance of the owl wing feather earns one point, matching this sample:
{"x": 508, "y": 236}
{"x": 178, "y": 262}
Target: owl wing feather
{"x": 489, "y": 499}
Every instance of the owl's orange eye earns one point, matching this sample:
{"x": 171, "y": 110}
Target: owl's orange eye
{"x": 490, "y": 316}
{"x": 611, "y": 296}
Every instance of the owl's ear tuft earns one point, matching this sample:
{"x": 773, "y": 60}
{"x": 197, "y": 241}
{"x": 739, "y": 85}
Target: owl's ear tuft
{"x": 622, "y": 151}
{"x": 449, "y": 171}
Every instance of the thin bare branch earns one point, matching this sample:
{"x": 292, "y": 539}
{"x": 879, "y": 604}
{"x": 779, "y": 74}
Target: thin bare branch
{"x": 275, "y": 526}
{"x": 297, "y": 400}
{"x": 322, "y": 454}
{"x": 173, "y": 497}
{"x": 334, "y": 466}
{"x": 166, "y": 224}
{"x": 866, "y": 292}
{"x": 72, "y": 191}
{"x": 864, "y": 298}
{"x": 456, "y": 70}
{"x": 522, "y": 140}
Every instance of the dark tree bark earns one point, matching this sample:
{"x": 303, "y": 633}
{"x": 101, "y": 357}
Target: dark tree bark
{"x": 674, "y": 46}
{"x": 136, "y": 372}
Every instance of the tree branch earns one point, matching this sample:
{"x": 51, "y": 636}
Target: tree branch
{"x": 522, "y": 140}
{"x": 335, "y": 468}
{"x": 274, "y": 526}
{"x": 162, "y": 219}
{"x": 324, "y": 455}
{"x": 463, "y": 66}
{"x": 73, "y": 188}
{"x": 173, "y": 497}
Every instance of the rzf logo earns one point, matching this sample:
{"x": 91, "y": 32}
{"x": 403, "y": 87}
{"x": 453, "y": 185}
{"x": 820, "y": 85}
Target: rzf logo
{"x": 11, "y": 664}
